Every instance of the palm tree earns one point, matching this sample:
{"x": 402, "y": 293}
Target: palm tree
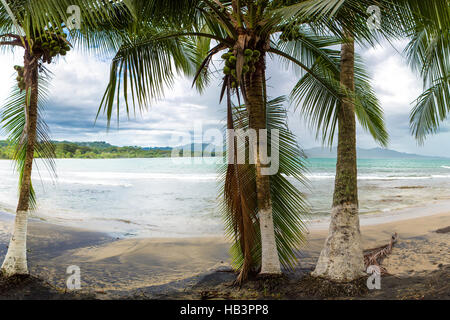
{"x": 27, "y": 132}
{"x": 247, "y": 32}
{"x": 36, "y": 27}
{"x": 241, "y": 28}
{"x": 341, "y": 258}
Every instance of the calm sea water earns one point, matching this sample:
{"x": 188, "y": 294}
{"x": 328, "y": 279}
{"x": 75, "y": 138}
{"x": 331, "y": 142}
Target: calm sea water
{"x": 160, "y": 197}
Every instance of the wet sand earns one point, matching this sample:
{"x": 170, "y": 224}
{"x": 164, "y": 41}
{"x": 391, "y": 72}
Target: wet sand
{"x": 159, "y": 267}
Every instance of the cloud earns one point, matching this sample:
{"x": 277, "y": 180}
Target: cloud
{"x": 79, "y": 81}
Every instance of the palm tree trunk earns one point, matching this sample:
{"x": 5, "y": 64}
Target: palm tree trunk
{"x": 16, "y": 258}
{"x": 342, "y": 257}
{"x": 255, "y": 100}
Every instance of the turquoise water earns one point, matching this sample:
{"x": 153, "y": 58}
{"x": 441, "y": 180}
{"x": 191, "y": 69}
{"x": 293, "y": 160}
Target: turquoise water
{"x": 384, "y": 184}
{"x": 162, "y": 197}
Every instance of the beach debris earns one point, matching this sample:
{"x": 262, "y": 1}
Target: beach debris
{"x": 375, "y": 256}
{"x": 206, "y": 295}
{"x": 443, "y": 230}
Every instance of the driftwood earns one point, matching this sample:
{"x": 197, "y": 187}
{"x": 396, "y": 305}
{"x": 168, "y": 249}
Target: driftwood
{"x": 375, "y": 256}
{"x": 444, "y": 230}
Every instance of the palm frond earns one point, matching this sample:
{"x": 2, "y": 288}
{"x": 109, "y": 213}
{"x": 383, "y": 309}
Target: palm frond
{"x": 146, "y": 63}
{"x": 352, "y": 15}
{"x": 428, "y": 53}
{"x": 289, "y": 205}
{"x": 430, "y": 110}
{"x": 13, "y": 121}
{"x": 320, "y": 108}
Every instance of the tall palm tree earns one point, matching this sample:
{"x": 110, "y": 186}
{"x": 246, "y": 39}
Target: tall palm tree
{"x": 246, "y": 32}
{"x": 36, "y": 27}
{"x": 341, "y": 258}
{"x": 27, "y": 132}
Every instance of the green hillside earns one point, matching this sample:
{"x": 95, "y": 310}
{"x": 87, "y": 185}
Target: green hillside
{"x": 93, "y": 150}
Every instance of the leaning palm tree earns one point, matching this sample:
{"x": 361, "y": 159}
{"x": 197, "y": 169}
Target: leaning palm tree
{"x": 37, "y": 29}
{"x": 244, "y": 33}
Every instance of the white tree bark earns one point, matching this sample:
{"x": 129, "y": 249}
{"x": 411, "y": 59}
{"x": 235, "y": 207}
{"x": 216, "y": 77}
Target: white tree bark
{"x": 16, "y": 258}
{"x": 270, "y": 264}
{"x": 342, "y": 257}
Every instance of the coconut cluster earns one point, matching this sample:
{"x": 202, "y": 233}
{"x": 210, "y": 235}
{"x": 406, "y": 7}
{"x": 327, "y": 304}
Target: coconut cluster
{"x": 50, "y": 44}
{"x": 20, "y": 79}
{"x": 290, "y": 35}
{"x": 251, "y": 57}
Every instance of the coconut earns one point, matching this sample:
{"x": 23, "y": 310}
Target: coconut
{"x": 248, "y": 52}
{"x": 226, "y": 70}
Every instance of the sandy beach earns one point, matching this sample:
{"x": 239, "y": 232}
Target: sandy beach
{"x": 160, "y": 267}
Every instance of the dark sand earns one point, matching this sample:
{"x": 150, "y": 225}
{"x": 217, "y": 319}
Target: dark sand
{"x": 197, "y": 268}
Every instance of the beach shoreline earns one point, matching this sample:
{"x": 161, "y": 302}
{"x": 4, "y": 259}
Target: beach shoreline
{"x": 113, "y": 267}
{"x": 314, "y": 223}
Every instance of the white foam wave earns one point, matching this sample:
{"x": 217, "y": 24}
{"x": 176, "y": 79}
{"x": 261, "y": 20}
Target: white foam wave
{"x": 374, "y": 177}
{"x": 122, "y": 179}
{"x": 145, "y": 176}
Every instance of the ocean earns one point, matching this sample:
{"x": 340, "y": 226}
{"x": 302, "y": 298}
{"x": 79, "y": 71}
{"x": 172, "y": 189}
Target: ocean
{"x": 165, "y": 198}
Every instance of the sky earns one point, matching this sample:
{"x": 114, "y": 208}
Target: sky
{"x": 79, "y": 81}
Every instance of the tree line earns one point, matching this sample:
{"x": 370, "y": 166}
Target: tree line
{"x": 73, "y": 150}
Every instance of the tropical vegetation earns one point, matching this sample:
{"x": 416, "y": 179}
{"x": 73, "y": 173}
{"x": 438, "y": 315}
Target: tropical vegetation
{"x": 93, "y": 150}
{"x": 154, "y": 41}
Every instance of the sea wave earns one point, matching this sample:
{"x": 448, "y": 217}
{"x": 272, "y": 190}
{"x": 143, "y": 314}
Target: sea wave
{"x": 372, "y": 177}
{"x": 124, "y": 179}
{"x": 144, "y": 176}
{"x": 89, "y": 182}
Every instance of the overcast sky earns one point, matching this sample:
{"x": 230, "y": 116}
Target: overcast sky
{"x": 79, "y": 82}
